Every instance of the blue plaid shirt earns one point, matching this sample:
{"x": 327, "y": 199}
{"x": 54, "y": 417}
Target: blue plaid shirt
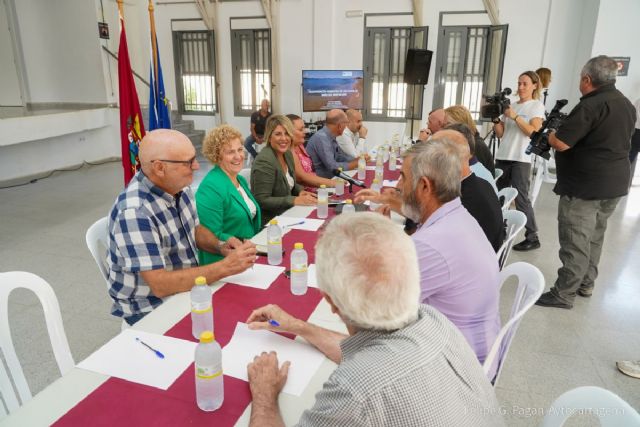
{"x": 149, "y": 229}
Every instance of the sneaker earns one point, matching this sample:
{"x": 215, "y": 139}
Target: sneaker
{"x": 584, "y": 291}
{"x": 629, "y": 367}
{"x": 550, "y": 300}
{"x": 527, "y": 245}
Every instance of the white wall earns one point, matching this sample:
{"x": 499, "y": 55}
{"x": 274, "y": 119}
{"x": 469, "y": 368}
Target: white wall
{"x": 9, "y": 83}
{"x": 61, "y": 51}
{"x": 617, "y": 34}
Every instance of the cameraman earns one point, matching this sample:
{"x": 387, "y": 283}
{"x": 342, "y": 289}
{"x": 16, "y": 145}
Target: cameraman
{"x": 592, "y": 149}
{"x": 515, "y": 127}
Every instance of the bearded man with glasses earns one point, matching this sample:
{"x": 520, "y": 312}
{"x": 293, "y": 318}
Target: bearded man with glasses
{"x": 155, "y": 233}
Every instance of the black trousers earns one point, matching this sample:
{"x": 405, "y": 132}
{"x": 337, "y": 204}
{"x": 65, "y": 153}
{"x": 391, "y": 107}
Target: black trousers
{"x": 516, "y": 175}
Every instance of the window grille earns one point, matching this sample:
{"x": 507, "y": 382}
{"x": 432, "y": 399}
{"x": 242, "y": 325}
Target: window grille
{"x": 194, "y": 53}
{"x": 251, "y": 61}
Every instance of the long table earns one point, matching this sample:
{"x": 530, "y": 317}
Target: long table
{"x": 82, "y": 397}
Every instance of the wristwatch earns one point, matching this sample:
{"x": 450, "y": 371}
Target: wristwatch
{"x": 221, "y": 244}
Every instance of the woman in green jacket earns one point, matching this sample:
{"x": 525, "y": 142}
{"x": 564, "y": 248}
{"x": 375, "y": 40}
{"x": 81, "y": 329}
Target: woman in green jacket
{"x": 224, "y": 202}
{"x": 273, "y": 172}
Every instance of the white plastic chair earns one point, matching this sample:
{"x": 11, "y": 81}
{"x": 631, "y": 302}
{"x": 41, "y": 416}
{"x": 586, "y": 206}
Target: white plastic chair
{"x": 611, "y": 409}
{"x": 515, "y": 221}
{"x": 530, "y": 287}
{"x": 497, "y": 174}
{"x": 8, "y": 282}
{"x": 509, "y": 194}
{"x": 246, "y": 174}
{"x": 97, "y": 238}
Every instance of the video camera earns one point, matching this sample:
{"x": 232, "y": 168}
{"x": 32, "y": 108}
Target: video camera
{"x": 539, "y": 144}
{"x": 495, "y": 105}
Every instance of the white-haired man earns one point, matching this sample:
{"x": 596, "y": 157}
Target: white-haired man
{"x": 458, "y": 266}
{"x": 401, "y": 364}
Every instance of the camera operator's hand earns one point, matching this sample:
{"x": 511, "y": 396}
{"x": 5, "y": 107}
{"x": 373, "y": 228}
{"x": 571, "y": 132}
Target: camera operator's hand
{"x": 510, "y": 112}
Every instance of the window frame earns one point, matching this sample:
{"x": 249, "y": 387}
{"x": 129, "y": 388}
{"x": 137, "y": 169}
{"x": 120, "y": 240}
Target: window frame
{"x": 368, "y": 66}
{"x": 178, "y": 56}
{"x": 236, "y": 62}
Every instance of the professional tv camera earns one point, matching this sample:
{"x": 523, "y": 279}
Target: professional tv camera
{"x": 539, "y": 144}
{"x": 495, "y": 105}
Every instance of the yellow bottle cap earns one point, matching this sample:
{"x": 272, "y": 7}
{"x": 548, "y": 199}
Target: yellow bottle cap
{"x": 298, "y": 246}
{"x": 376, "y": 181}
{"x": 323, "y": 186}
{"x": 207, "y": 336}
{"x": 349, "y": 202}
{"x": 274, "y": 221}
{"x": 340, "y": 169}
{"x": 201, "y": 280}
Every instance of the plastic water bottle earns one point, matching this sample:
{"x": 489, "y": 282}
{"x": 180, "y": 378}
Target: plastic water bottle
{"x": 299, "y": 270}
{"x": 323, "y": 202}
{"x": 201, "y": 309}
{"x": 348, "y": 206}
{"x": 362, "y": 168}
{"x": 393, "y": 159}
{"x": 274, "y": 243}
{"x": 375, "y": 187}
{"x": 339, "y": 186}
{"x": 209, "y": 378}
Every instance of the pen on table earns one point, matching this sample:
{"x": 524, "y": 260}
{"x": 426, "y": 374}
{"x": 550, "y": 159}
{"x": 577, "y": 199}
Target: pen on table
{"x": 160, "y": 355}
{"x": 295, "y": 223}
{"x": 273, "y": 322}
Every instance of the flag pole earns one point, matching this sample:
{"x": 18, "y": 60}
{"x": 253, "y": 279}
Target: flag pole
{"x": 120, "y": 8}
{"x": 154, "y": 46}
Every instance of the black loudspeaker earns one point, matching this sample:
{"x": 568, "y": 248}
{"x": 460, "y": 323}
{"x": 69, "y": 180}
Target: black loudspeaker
{"x": 417, "y": 66}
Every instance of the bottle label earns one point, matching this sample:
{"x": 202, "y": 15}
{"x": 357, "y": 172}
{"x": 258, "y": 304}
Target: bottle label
{"x": 275, "y": 242}
{"x": 201, "y": 308}
{"x": 207, "y": 372}
{"x": 299, "y": 269}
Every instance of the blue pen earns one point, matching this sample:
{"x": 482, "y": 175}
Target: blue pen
{"x": 273, "y": 322}
{"x": 296, "y": 223}
{"x": 160, "y": 355}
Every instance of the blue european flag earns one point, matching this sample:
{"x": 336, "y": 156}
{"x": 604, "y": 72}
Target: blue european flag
{"x": 159, "y": 117}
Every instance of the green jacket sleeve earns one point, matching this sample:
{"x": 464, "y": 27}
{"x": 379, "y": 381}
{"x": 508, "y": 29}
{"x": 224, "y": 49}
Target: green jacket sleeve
{"x": 210, "y": 202}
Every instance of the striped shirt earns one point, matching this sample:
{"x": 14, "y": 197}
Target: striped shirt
{"x": 424, "y": 374}
{"x": 149, "y": 229}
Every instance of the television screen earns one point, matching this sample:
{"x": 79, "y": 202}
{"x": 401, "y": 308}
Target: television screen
{"x": 323, "y": 90}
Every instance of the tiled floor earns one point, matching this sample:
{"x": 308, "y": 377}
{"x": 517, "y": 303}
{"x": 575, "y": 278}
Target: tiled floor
{"x": 42, "y": 229}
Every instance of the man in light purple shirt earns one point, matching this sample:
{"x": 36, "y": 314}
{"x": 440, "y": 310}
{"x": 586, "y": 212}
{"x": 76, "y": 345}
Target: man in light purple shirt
{"x": 458, "y": 266}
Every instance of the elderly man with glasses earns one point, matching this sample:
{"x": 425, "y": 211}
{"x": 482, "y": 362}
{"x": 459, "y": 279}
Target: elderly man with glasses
{"x": 155, "y": 234}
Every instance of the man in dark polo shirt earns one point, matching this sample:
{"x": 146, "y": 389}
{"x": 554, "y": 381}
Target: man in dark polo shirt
{"x": 258, "y": 123}
{"x": 592, "y": 158}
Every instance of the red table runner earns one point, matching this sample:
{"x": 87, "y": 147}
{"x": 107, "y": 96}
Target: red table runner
{"x": 120, "y": 402}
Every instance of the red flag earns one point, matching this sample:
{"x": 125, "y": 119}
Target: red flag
{"x": 131, "y": 124}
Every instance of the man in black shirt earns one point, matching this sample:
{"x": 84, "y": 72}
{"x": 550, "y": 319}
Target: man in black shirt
{"x": 258, "y": 123}
{"x": 592, "y": 158}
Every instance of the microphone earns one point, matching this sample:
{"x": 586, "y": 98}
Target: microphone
{"x": 352, "y": 181}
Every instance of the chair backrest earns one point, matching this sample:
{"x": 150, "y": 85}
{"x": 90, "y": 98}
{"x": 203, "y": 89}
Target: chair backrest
{"x": 610, "y": 408}
{"x": 246, "y": 174}
{"x": 497, "y": 174}
{"x": 508, "y": 195}
{"x": 514, "y": 222}
{"x": 97, "y": 238}
{"x": 530, "y": 287}
{"x": 20, "y": 279}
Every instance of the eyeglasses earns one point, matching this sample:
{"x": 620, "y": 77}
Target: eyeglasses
{"x": 189, "y": 162}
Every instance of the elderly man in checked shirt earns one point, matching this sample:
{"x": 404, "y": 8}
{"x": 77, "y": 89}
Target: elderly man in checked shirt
{"x": 155, "y": 234}
{"x": 401, "y": 364}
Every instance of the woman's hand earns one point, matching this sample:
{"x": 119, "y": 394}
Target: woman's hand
{"x": 510, "y": 112}
{"x": 305, "y": 198}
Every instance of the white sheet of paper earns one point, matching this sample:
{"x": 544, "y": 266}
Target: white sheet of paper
{"x": 246, "y": 344}
{"x": 261, "y": 276}
{"x": 389, "y": 183}
{"x": 123, "y": 357}
{"x": 371, "y": 168}
{"x": 312, "y": 279}
{"x": 311, "y": 224}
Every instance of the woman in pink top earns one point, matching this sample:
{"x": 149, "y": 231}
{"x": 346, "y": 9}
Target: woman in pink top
{"x": 304, "y": 165}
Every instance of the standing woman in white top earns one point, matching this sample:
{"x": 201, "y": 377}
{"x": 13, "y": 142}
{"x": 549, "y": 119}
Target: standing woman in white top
{"x": 515, "y": 127}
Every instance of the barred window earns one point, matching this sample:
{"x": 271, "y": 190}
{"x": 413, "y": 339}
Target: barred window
{"x": 251, "y": 61}
{"x": 387, "y": 97}
{"x": 469, "y": 65}
{"x": 195, "y": 71}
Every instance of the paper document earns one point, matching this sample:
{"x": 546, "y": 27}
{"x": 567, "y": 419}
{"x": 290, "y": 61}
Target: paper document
{"x": 123, "y": 357}
{"x": 246, "y": 344}
{"x": 312, "y": 280}
{"x": 261, "y": 276}
{"x": 389, "y": 183}
{"x": 289, "y": 222}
